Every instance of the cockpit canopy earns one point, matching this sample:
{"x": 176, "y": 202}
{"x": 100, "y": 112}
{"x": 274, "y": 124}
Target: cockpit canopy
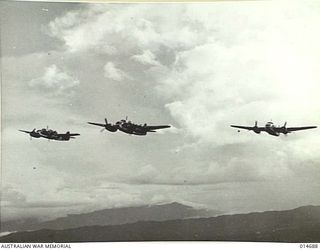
{"x": 269, "y": 124}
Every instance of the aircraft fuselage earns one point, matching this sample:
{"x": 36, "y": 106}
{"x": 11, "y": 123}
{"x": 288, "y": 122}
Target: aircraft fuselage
{"x": 130, "y": 128}
{"x": 270, "y": 129}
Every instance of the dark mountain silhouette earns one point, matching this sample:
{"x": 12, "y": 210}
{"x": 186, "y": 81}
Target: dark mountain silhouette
{"x": 17, "y": 225}
{"x": 113, "y": 216}
{"x": 297, "y": 225}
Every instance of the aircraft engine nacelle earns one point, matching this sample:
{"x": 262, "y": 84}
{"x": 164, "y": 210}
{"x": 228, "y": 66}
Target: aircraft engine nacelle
{"x": 65, "y": 137}
{"x": 255, "y": 128}
{"x": 284, "y": 129}
{"x": 111, "y": 128}
{"x": 138, "y": 132}
{"x": 35, "y": 134}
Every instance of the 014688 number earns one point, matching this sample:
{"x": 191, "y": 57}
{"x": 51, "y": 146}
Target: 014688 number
{"x": 308, "y": 245}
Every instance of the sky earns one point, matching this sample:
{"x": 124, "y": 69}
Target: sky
{"x": 198, "y": 67}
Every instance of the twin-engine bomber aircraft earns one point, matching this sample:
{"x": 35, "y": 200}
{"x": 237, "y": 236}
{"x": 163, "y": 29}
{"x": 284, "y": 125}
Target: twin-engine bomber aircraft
{"x": 271, "y": 129}
{"x": 129, "y": 127}
{"x": 50, "y": 134}
{"x": 135, "y": 129}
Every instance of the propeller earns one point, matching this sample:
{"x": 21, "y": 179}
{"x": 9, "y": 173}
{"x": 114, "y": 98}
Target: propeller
{"x": 33, "y": 131}
{"x": 255, "y": 128}
{"x": 285, "y": 129}
{"x": 105, "y": 119}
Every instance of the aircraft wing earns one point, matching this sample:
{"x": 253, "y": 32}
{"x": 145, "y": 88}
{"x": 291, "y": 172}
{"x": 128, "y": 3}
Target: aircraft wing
{"x": 74, "y": 134}
{"x": 248, "y": 128}
{"x": 300, "y": 128}
{"x": 70, "y": 134}
{"x": 97, "y": 124}
{"x": 150, "y": 128}
{"x": 28, "y": 132}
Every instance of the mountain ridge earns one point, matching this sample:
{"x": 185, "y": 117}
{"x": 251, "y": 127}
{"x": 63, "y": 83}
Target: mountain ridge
{"x": 296, "y": 225}
{"x": 112, "y": 216}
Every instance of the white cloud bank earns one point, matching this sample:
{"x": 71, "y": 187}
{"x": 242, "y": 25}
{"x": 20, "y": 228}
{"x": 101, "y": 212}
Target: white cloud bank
{"x": 211, "y": 65}
{"x": 112, "y": 72}
{"x": 147, "y": 58}
{"x": 232, "y": 63}
{"x": 56, "y": 80}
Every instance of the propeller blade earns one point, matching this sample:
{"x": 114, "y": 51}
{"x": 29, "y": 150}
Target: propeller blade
{"x": 256, "y": 123}
{"x": 285, "y": 124}
{"x": 106, "y": 120}
{"x": 102, "y": 130}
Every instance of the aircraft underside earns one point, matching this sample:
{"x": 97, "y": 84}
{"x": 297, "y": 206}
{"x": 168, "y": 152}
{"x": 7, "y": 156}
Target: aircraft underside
{"x": 272, "y": 132}
{"x": 132, "y": 132}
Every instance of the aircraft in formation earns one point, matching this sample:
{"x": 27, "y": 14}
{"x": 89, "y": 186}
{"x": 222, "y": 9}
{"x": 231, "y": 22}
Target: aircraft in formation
{"x": 50, "y": 134}
{"x": 129, "y": 127}
{"x": 271, "y": 129}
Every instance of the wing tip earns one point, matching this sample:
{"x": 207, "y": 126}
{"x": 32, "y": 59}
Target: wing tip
{"x": 23, "y": 131}
{"x": 74, "y": 134}
{"x": 91, "y": 123}
{"x": 165, "y": 126}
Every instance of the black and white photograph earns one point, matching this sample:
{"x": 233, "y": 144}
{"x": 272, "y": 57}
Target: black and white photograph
{"x": 139, "y": 122}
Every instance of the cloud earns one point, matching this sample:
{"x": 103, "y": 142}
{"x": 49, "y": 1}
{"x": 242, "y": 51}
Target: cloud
{"x": 113, "y": 73}
{"x": 189, "y": 65}
{"x": 135, "y": 26}
{"x": 14, "y": 199}
{"x": 220, "y": 72}
{"x": 54, "y": 79}
{"x": 147, "y": 58}
{"x": 11, "y": 197}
